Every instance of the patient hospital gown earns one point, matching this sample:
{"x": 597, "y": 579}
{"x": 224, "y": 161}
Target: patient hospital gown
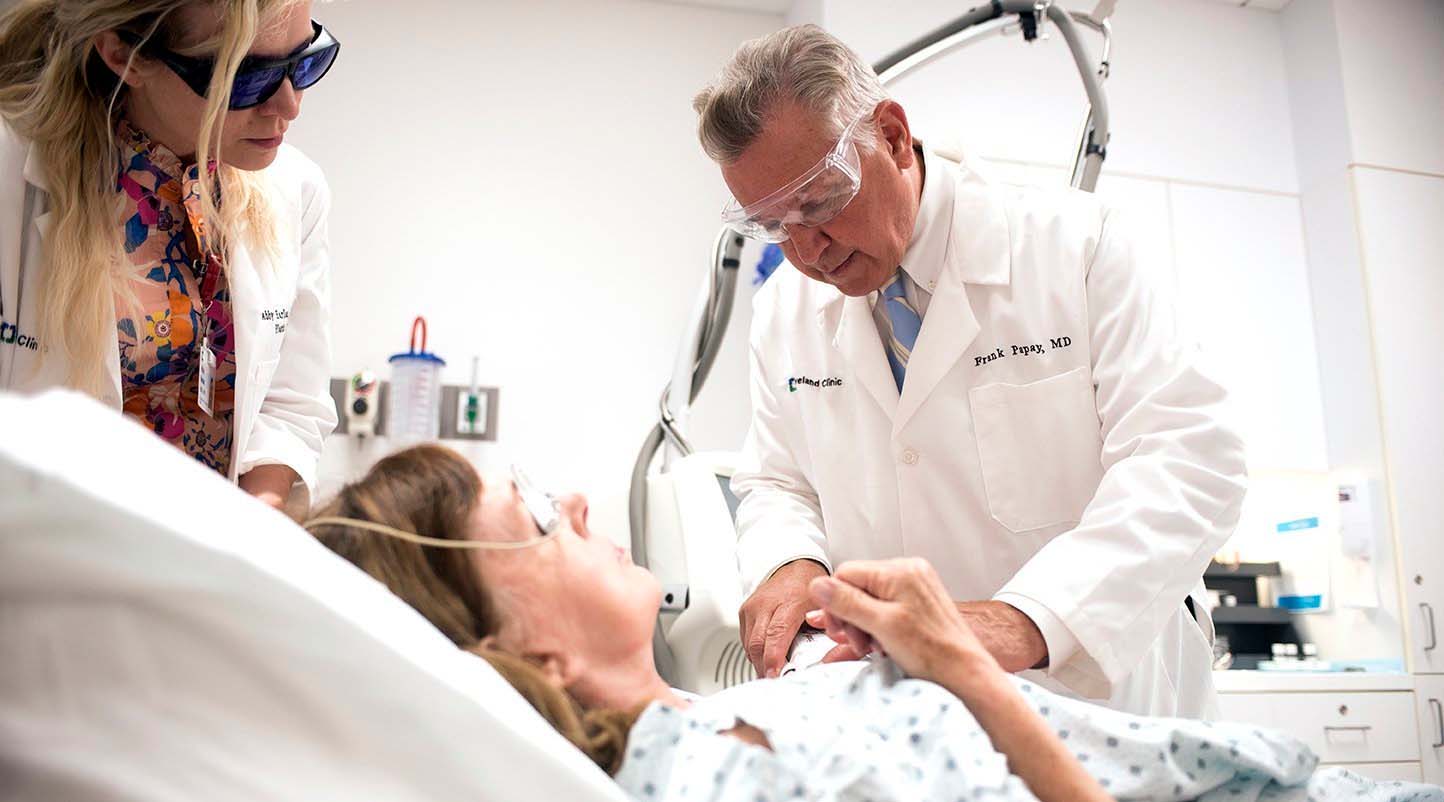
{"x": 850, "y": 732}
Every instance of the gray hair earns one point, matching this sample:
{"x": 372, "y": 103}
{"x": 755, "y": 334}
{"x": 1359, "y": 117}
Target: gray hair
{"x": 804, "y": 65}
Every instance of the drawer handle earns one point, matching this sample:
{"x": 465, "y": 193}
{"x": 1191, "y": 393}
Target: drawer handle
{"x": 1362, "y": 730}
{"x": 1439, "y": 720}
{"x": 1428, "y": 612}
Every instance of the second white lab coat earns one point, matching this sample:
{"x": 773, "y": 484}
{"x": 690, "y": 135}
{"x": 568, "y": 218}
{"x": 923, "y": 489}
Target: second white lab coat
{"x": 280, "y": 307}
{"x": 1053, "y": 442}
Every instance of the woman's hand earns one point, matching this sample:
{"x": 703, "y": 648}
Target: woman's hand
{"x": 269, "y": 483}
{"x": 900, "y": 606}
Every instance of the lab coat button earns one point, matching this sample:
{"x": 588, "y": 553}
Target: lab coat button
{"x": 909, "y": 457}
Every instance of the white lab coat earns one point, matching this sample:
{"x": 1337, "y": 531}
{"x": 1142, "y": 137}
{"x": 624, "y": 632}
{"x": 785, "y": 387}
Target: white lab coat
{"x": 1089, "y": 476}
{"x": 283, "y": 407}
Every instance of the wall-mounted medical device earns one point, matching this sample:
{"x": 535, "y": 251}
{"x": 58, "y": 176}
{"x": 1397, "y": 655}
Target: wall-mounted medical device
{"x": 362, "y": 402}
{"x": 415, "y": 393}
{"x": 453, "y": 423}
{"x": 415, "y": 406}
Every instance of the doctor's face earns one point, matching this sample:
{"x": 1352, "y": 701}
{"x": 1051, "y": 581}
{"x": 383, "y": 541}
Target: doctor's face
{"x": 161, "y": 104}
{"x": 576, "y": 593}
{"x": 862, "y": 246}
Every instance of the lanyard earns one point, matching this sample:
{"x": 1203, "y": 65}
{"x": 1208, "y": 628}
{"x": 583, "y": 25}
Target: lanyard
{"x": 208, "y": 275}
{"x": 207, "y": 268}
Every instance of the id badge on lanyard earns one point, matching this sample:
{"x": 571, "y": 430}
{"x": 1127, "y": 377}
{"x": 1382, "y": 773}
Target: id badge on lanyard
{"x": 209, "y": 269}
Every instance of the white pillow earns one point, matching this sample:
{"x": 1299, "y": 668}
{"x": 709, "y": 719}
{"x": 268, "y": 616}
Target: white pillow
{"x": 165, "y": 637}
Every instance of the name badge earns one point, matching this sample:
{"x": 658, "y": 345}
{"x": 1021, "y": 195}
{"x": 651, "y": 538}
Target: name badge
{"x": 205, "y": 377}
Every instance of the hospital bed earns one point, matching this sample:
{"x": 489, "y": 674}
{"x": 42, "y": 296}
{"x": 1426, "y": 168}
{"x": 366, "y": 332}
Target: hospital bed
{"x": 163, "y": 636}
{"x": 681, "y": 509}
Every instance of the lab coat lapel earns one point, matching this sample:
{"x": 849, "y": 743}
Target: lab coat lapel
{"x": 244, "y": 283}
{"x": 35, "y": 176}
{"x": 978, "y": 253}
{"x": 948, "y": 331}
{"x": 854, "y": 335}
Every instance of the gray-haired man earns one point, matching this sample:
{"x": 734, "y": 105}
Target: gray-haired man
{"x": 976, "y": 375}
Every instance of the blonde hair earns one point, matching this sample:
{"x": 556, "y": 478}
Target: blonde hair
{"x": 434, "y": 490}
{"x": 804, "y": 65}
{"x": 56, "y": 92}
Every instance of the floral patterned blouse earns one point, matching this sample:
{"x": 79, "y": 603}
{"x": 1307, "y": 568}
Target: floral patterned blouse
{"x": 161, "y": 324}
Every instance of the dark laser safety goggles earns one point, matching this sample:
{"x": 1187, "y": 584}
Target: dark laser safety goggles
{"x": 257, "y": 79}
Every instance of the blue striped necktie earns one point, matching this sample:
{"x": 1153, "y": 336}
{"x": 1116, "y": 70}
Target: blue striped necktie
{"x": 903, "y": 325}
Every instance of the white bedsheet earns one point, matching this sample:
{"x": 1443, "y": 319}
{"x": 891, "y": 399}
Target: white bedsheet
{"x": 165, "y": 637}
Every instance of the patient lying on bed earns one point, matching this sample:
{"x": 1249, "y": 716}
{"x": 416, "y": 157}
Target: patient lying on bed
{"x": 929, "y": 715}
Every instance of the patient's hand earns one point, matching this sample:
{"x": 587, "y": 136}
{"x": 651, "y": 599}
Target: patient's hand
{"x": 902, "y": 607}
{"x": 772, "y": 615}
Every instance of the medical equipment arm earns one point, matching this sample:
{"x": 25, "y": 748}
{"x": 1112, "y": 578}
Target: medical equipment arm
{"x": 1171, "y": 491}
{"x": 699, "y": 352}
{"x": 297, "y": 411}
{"x": 978, "y": 22}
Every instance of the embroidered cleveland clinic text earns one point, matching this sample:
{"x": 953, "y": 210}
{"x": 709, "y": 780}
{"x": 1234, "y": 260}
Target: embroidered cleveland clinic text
{"x": 10, "y": 335}
{"x": 803, "y": 381}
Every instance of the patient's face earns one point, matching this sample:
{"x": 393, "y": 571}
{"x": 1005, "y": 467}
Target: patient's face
{"x": 577, "y": 592}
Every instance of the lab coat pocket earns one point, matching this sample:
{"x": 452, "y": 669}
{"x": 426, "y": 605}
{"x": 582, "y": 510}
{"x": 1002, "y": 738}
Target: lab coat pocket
{"x": 1039, "y": 445}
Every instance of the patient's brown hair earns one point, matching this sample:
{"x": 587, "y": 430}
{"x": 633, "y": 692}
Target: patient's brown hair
{"x": 431, "y": 490}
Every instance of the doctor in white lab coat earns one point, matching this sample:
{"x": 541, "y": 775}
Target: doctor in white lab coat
{"x": 278, "y": 295}
{"x": 1045, "y": 440}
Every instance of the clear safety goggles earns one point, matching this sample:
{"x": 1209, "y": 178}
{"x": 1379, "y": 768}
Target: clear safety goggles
{"x": 811, "y": 199}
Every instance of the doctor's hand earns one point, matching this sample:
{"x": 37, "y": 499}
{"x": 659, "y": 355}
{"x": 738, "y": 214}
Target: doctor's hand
{"x": 901, "y": 607}
{"x": 1007, "y": 633}
{"x": 772, "y": 615}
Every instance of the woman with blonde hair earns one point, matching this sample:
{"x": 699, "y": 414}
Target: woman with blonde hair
{"x": 519, "y": 578}
{"x": 160, "y": 248}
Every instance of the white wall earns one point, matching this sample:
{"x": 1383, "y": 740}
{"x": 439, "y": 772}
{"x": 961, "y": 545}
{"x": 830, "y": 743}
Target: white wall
{"x": 1392, "y": 56}
{"x": 526, "y": 175}
{"x": 1198, "y": 91}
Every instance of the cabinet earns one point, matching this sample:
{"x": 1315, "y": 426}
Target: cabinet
{"x": 1338, "y": 727}
{"x": 1429, "y": 707}
{"x": 1365, "y": 723}
{"x": 1398, "y": 217}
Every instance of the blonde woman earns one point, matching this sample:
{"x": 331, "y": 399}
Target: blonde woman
{"x": 160, "y": 247}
